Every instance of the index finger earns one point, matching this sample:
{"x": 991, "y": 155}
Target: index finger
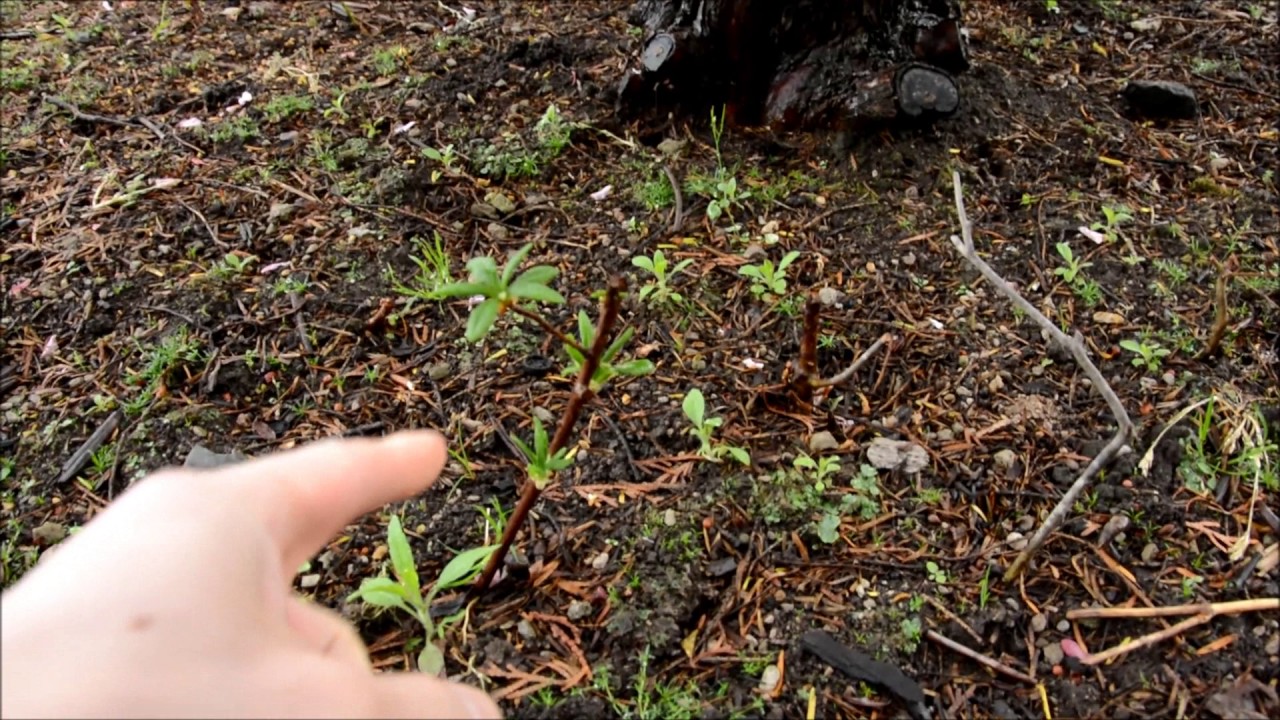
{"x": 307, "y": 496}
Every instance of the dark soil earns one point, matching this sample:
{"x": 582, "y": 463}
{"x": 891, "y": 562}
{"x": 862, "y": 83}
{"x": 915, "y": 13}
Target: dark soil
{"x": 685, "y": 579}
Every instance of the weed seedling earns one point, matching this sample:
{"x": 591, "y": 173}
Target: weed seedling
{"x": 936, "y": 574}
{"x": 1072, "y": 266}
{"x": 769, "y": 279}
{"x": 403, "y": 591}
{"x": 433, "y": 270}
{"x": 695, "y": 408}
{"x": 1149, "y": 354}
{"x": 656, "y": 290}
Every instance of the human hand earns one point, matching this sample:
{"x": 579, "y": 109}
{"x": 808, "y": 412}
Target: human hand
{"x": 176, "y": 601}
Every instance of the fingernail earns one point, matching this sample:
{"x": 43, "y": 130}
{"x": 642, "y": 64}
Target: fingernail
{"x": 476, "y": 704}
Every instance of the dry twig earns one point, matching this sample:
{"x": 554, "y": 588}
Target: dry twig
{"x": 979, "y": 657}
{"x": 964, "y": 244}
{"x": 1203, "y": 613}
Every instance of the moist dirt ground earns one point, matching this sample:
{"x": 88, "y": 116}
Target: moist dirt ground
{"x": 222, "y": 224}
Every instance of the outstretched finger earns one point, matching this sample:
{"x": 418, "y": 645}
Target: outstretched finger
{"x": 307, "y": 496}
{"x": 415, "y": 695}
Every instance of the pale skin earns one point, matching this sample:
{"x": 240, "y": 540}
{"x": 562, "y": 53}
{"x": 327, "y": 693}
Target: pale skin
{"x": 177, "y": 600}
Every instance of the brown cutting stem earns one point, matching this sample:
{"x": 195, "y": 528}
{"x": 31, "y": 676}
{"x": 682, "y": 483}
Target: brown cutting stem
{"x": 581, "y": 393}
{"x": 807, "y": 366}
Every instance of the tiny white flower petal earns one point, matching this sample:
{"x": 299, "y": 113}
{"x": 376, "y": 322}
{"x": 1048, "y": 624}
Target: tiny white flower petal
{"x": 602, "y": 193}
{"x": 106, "y": 5}
{"x": 936, "y": 323}
{"x": 752, "y": 364}
{"x": 404, "y": 128}
{"x": 1097, "y": 237}
{"x": 191, "y": 122}
{"x": 50, "y": 347}
{"x": 246, "y": 97}
{"x": 474, "y": 300}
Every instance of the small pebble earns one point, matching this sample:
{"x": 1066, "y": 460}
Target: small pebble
{"x": 1064, "y": 626}
{"x": 822, "y": 441}
{"x": 769, "y": 679}
{"x": 1039, "y": 622}
{"x": 1114, "y": 526}
{"x": 600, "y": 562}
{"x": 1149, "y": 552}
{"x": 578, "y": 609}
{"x": 525, "y": 630}
{"x": 1005, "y": 459}
{"x": 669, "y": 517}
{"x": 1053, "y": 653}
{"x": 306, "y": 582}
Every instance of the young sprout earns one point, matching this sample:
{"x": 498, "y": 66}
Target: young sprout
{"x": 501, "y": 292}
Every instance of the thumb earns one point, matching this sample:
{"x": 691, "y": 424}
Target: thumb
{"x": 415, "y": 695}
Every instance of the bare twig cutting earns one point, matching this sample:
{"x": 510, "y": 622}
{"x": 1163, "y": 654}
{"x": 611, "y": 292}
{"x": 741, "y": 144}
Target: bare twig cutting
{"x": 979, "y": 657}
{"x": 1201, "y": 613}
{"x": 1075, "y": 344}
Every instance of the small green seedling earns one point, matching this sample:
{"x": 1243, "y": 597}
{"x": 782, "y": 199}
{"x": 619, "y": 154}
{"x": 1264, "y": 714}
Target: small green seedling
{"x": 822, "y": 468}
{"x": 769, "y": 278}
{"x": 695, "y": 408}
{"x": 542, "y": 466}
{"x": 404, "y": 592}
{"x": 1150, "y": 355}
{"x": 1113, "y": 217}
{"x": 446, "y": 156}
{"x": 936, "y": 574}
{"x": 1070, "y": 271}
{"x": 606, "y": 370}
{"x": 657, "y": 289}
{"x": 433, "y": 270}
{"x": 501, "y": 292}
{"x": 231, "y": 265}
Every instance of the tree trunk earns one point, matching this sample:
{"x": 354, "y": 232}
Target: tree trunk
{"x": 798, "y": 63}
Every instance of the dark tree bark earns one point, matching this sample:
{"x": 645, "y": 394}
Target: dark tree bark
{"x": 798, "y": 63}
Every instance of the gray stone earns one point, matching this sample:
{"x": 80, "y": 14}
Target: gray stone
{"x": 306, "y": 582}
{"x": 769, "y": 679}
{"x": 1039, "y": 622}
{"x": 829, "y": 296}
{"x": 578, "y": 609}
{"x": 49, "y": 533}
{"x": 1017, "y": 541}
{"x": 525, "y": 629}
{"x": 1161, "y": 99}
{"x": 723, "y": 566}
{"x": 669, "y": 517}
{"x": 1005, "y": 459}
{"x": 822, "y": 441}
{"x": 484, "y": 210}
{"x": 1053, "y": 653}
{"x": 500, "y": 202}
{"x": 671, "y": 147}
{"x": 439, "y": 371}
{"x": 202, "y": 458}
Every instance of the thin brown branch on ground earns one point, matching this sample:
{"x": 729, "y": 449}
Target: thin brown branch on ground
{"x": 806, "y": 378}
{"x": 979, "y": 657}
{"x": 853, "y": 368}
{"x": 80, "y": 457}
{"x": 1233, "y": 607}
{"x": 610, "y": 307}
{"x": 677, "y": 220}
{"x": 964, "y": 244}
{"x": 1201, "y": 613}
{"x": 79, "y": 114}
